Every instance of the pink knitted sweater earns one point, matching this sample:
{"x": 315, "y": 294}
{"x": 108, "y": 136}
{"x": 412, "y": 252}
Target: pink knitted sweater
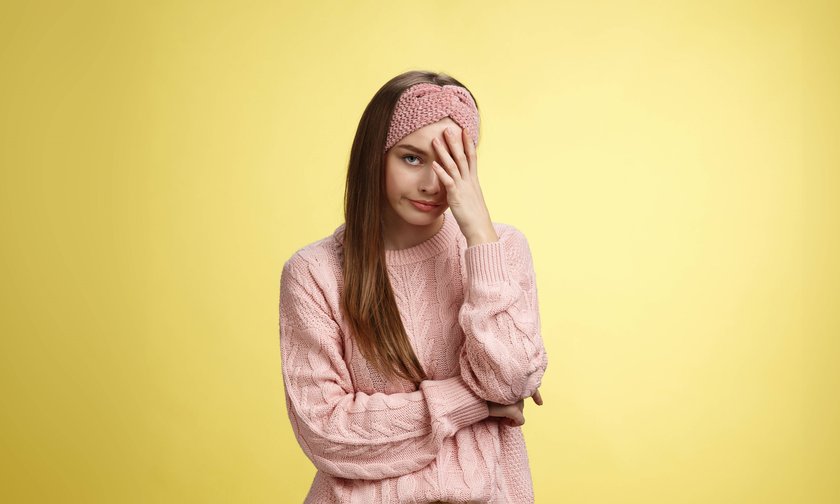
{"x": 472, "y": 316}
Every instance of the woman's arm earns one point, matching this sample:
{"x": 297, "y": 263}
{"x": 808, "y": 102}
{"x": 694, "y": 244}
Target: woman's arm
{"x": 351, "y": 434}
{"x": 503, "y": 358}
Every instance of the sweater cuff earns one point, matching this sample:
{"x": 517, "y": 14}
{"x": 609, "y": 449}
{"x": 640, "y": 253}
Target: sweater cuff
{"x": 455, "y": 402}
{"x": 486, "y": 262}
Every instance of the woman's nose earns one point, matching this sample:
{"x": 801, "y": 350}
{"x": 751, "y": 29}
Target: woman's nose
{"x": 430, "y": 182}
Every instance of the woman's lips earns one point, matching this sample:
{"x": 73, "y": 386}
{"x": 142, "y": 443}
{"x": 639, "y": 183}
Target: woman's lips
{"x": 422, "y": 206}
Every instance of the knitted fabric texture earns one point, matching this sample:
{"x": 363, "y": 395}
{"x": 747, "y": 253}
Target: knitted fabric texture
{"x": 426, "y": 103}
{"x": 471, "y": 314}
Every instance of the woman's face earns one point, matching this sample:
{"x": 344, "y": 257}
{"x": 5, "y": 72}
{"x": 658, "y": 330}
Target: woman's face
{"x": 409, "y": 176}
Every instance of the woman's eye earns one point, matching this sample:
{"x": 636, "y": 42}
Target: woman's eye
{"x": 410, "y": 156}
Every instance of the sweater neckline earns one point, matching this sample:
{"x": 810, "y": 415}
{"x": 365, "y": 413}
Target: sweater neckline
{"x": 423, "y": 250}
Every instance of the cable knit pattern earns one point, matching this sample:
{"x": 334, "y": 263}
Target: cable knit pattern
{"x": 472, "y": 317}
{"x": 503, "y": 359}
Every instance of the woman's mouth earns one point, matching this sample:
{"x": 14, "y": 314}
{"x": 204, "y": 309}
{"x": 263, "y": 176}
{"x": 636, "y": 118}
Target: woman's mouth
{"x": 423, "y": 207}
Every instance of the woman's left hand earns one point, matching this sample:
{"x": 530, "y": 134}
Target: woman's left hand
{"x": 459, "y": 175}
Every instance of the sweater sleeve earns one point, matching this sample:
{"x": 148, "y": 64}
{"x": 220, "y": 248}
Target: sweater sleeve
{"x": 348, "y": 433}
{"x": 503, "y": 358}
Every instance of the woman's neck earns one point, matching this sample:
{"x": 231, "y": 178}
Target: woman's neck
{"x": 399, "y": 234}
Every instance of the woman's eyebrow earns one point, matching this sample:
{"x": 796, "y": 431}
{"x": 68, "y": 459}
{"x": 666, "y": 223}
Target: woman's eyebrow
{"x": 412, "y": 148}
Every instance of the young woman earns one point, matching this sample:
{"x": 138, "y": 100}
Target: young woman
{"x": 410, "y": 336}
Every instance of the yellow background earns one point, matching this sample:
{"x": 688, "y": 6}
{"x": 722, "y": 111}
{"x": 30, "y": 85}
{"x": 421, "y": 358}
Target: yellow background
{"x": 673, "y": 164}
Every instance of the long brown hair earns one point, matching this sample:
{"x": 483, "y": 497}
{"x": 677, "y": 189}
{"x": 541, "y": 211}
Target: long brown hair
{"x": 368, "y": 300}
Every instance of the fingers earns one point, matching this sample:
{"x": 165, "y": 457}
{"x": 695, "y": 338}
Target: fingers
{"x": 470, "y": 151}
{"x": 516, "y": 416}
{"x": 517, "y": 419}
{"x": 511, "y": 414}
{"x": 446, "y": 161}
{"x": 451, "y": 154}
{"x": 457, "y": 148}
{"x": 537, "y": 397}
{"x": 445, "y": 177}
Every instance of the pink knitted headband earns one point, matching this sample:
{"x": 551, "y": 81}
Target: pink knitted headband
{"x": 426, "y": 103}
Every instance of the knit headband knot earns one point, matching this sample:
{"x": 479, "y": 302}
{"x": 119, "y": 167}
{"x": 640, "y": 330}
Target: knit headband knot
{"x": 426, "y": 103}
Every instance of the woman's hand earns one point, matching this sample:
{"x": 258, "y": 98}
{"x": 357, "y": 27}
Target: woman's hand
{"x": 459, "y": 175}
{"x": 513, "y": 413}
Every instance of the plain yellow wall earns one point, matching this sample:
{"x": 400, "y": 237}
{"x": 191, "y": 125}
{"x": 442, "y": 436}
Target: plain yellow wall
{"x": 673, "y": 164}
